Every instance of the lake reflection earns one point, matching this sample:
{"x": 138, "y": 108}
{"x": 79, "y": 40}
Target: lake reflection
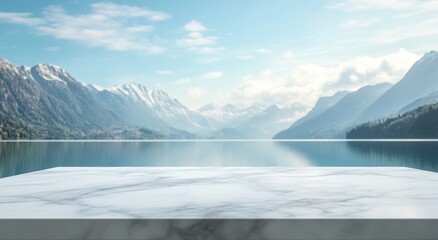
{"x": 22, "y": 157}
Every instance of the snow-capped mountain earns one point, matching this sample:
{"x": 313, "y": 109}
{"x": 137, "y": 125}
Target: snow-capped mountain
{"x": 255, "y": 121}
{"x": 152, "y": 108}
{"x": 63, "y": 86}
{"x": 46, "y": 95}
{"x": 229, "y": 112}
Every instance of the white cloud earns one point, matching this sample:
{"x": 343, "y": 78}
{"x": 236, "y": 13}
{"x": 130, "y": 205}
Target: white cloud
{"x": 194, "y": 36}
{"x": 155, "y": 49}
{"x": 164, "y": 72}
{"x": 404, "y": 19}
{"x": 105, "y": 26}
{"x": 365, "y": 70}
{"x": 20, "y": 18}
{"x": 125, "y": 11}
{"x": 213, "y": 75}
{"x": 195, "y": 92}
{"x": 362, "y": 23}
{"x": 194, "y": 26}
{"x": 182, "y": 81}
{"x": 416, "y": 30}
{"x": 139, "y": 29}
{"x": 288, "y": 55}
{"x": 307, "y": 82}
{"x": 420, "y": 8}
{"x": 196, "y": 41}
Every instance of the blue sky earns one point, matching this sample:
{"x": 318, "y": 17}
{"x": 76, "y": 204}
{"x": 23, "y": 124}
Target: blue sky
{"x": 242, "y": 52}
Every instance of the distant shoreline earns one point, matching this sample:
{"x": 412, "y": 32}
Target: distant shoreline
{"x": 227, "y": 140}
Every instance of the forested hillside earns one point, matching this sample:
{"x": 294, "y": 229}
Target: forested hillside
{"x": 421, "y": 122}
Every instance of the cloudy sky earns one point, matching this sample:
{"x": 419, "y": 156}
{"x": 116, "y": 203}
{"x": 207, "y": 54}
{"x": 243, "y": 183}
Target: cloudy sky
{"x": 243, "y": 52}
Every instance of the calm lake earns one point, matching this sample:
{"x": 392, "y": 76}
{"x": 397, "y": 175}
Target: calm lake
{"x": 23, "y": 157}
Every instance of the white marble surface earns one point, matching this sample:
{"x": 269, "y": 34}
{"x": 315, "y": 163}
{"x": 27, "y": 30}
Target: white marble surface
{"x": 244, "y": 193}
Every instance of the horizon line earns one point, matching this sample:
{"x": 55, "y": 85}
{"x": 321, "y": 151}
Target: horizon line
{"x": 226, "y": 140}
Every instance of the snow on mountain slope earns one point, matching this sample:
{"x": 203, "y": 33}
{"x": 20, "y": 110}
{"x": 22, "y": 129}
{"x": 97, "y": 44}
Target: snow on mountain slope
{"x": 275, "y": 118}
{"x": 52, "y": 73}
{"x": 153, "y": 108}
{"x": 51, "y": 95}
{"x": 47, "y": 97}
{"x": 256, "y": 121}
{"x": 63, "y": 86}
{"x": 229, "y": 112}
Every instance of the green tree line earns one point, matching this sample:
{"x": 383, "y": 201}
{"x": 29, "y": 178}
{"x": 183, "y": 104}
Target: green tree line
{"x": 421, "y": 122}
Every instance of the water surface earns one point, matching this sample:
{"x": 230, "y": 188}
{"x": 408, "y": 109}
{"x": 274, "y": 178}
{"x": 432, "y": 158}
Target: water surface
{"x": 22, "y": 157}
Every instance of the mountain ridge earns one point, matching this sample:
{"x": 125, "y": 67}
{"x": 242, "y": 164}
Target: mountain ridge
{"x": 55, "y": 104}
{"x": 420, "y": 80}
{"x": 333, "y": 121}
{"x": 254, "y": 121}
{"x": 417, "y": 87}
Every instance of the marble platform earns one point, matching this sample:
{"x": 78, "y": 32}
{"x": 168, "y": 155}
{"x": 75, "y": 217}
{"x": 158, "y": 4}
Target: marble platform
{"x": 220, "y": 203}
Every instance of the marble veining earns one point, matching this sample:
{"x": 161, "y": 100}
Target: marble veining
{"x": 220, "y": 193}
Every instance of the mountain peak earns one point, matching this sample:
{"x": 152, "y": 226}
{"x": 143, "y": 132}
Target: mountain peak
{"x": 137, "y": 87}
{"x": 160, "y": 92}
{"x": 231, "y": 107}
{"x": 209, "y": 107}
{"x": 273, "y": 107}
{"x": 133, "y": 84}
{"x": 51, "y": 68}
{"x": 6, "y": 64}
{"x": 129, "y": 89}
{"x": 51, "y": 72}
{"x": 2, "y": 60}
{"x": 428, "y": 57}
{"x": 431, "y": 53}
{"x": 418, "y": 82}
{"x": 140, "y": 92}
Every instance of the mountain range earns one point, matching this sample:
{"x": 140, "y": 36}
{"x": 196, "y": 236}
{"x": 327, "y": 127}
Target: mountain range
{"x": 256, "y": 121}
{"x": 47, "y": 102}
{"x": 50, "y": 100}
{"x": 137, "y": 105}
{"x": 333, "y": 116}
